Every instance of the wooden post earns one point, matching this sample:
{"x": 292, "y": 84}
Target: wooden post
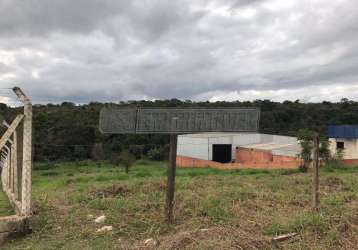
{"x": 171, "y": 179}
{"x": 315, "y": 200}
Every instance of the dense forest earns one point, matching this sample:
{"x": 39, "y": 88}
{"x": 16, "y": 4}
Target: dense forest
{"x": 70, "y": 132}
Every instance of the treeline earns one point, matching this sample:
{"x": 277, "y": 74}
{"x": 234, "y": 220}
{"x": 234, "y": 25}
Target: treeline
{"x": 70, "y": 132}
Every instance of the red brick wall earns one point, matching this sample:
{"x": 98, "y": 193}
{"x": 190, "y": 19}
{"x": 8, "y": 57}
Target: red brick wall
{"x": 183, "y": 161}
{"x": 246, "y": 155}
{"x": 245, "y": 158}
{"x": 350, "y": 162}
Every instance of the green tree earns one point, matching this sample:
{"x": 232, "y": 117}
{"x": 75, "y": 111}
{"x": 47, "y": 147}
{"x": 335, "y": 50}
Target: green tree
{"x": 305, "y": 138}
{"x": 59, "y": 126}
{"x": 126, "y": 159}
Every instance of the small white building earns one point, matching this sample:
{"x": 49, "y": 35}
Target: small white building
{"x": 344, "y": 138}
{"x": 222, "y": 147}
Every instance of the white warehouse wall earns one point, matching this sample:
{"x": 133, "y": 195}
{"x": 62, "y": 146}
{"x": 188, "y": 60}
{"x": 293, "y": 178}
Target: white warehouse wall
{"x": 200, "y": 145}
{"x": 193, "y": 147}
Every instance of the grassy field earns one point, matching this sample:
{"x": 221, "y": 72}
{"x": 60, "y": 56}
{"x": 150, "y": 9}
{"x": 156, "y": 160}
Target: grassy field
{"x": 214, "y": 209}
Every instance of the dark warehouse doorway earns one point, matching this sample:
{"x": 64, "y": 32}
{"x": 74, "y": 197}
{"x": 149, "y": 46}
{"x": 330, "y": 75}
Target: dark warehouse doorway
{"x": 222, "y": 153}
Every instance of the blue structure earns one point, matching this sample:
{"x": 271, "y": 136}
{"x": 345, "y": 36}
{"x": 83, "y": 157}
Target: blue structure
{"x": 343, "y": 132}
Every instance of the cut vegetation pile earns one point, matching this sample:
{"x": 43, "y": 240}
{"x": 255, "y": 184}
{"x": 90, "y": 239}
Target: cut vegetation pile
{"x": 214, "y": 209}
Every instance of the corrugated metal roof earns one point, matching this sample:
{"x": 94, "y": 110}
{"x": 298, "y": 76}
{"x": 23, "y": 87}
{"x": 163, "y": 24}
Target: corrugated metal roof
{"x": 343, "y": 131}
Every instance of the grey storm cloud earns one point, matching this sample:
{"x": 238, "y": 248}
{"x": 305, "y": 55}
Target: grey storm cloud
{"x": 102, "y": 50}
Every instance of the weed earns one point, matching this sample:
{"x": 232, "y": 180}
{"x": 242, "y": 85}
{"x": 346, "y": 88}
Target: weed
{"x": 214, "y": 208}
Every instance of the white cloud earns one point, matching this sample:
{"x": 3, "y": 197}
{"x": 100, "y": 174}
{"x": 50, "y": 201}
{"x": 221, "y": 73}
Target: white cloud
{"x": 35, "y": 74}
{"x": 308, "y": 94}
{"x": 7, "y": 76}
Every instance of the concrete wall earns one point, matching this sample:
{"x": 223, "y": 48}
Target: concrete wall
{"x": 13, "y": 226}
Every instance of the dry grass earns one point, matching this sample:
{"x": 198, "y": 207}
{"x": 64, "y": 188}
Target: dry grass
{"x": 214, "y": 209}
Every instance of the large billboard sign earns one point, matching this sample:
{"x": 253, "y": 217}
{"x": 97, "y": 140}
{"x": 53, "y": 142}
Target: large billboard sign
{"x": 178, "y": 120}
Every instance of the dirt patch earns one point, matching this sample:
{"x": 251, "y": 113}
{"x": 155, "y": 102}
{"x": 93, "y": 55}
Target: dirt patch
{"x": 64, "y": 209}
{"x": 36, "y": 208}
{"x": 155, "y": 186}
{"x": 152, "y": 206}
{"x": 298, "y": 203}
{"x": 70, "y": 181}
{"x": 110, "y": 192}
{"x": 181, "y": 240}
{"x": 218, "y": 237}
{"x": 333, "y": 183}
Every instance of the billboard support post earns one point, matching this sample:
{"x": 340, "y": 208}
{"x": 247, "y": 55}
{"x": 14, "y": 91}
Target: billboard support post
{"x": 169, "y": 203}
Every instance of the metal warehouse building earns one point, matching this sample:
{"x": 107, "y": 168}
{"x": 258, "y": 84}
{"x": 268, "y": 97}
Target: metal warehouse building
{"x": 238, "y": 150}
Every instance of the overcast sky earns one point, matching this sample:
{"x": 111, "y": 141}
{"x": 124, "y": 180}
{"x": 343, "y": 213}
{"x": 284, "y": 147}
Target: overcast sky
{"x": 111, "y": 50}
